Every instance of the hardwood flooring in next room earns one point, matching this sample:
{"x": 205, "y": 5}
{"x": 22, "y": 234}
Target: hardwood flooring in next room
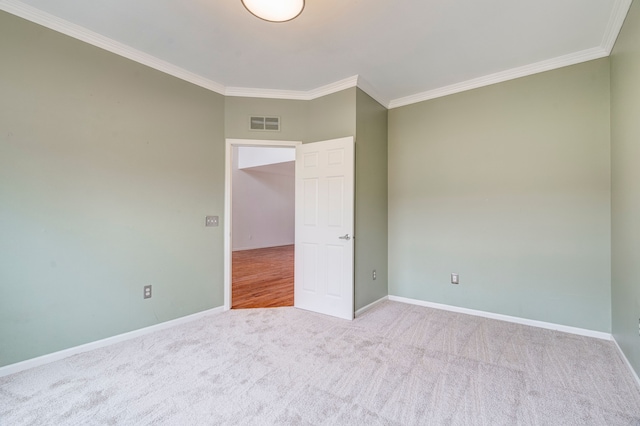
{"x": 262, "y": 278}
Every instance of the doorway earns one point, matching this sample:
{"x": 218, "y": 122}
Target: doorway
{"x": 259, "y": 230}
{"x": 324, "y": 224}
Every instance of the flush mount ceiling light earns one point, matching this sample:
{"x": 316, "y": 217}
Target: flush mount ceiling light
{"x": 275, "y": 10}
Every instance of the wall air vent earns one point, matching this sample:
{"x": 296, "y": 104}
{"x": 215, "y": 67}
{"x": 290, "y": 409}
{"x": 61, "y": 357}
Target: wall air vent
{"x": 270, "y": 124}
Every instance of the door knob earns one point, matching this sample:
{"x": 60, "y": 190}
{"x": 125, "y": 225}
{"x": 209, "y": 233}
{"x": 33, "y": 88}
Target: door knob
{"x": 345, "y": 237}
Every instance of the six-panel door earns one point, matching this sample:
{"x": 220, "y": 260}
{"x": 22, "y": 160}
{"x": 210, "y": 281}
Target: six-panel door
{"x": 324, "y": 243}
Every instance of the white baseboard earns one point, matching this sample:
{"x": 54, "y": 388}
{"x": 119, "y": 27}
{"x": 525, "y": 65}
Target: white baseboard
{"x": 517, "y": 320}
{"x": 370, "y": 305}
{"x": 65, "y": 353}
{"x": 626, "y": 361}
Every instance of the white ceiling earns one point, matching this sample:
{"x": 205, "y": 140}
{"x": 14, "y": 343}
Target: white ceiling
{"x": 401, "y": 51}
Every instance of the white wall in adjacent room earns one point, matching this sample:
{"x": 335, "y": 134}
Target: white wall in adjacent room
{"x": 263, "y": 204}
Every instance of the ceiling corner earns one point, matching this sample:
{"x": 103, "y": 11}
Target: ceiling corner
{"x": 618, "y": 15}
{"x": 368, "y": 88}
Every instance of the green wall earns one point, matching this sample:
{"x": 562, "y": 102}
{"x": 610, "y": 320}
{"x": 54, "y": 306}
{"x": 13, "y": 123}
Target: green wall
{"x": 371, "y": 201}
{"x": 331, "y": 117}
{"x": 625, "y": 193}
{"x": 328, "y": 117}
{"x": 107, "y": 170}
{"x": 508, "y": 186}
{"x": 292, "y": 113}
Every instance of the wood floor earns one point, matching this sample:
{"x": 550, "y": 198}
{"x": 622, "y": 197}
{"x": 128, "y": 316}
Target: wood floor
{"x": 262, "y": 278}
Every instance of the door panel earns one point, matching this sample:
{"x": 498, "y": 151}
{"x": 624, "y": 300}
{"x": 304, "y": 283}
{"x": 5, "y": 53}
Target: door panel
{"x": 324, "y": 227}
{"x": 310, "y": 192}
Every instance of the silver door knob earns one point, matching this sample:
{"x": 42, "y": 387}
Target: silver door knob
{"x": 345, "y": 237}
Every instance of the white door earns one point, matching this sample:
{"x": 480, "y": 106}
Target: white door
{"x": 324, "y": 227}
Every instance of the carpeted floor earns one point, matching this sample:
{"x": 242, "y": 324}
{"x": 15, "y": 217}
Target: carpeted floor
{"x": 395, "y": 365}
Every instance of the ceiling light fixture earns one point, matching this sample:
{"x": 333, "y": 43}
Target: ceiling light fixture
{"x": 275, "y": 10}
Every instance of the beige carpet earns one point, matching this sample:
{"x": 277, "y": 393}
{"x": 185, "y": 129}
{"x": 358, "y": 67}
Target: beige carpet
{"x": 395, "y": 365}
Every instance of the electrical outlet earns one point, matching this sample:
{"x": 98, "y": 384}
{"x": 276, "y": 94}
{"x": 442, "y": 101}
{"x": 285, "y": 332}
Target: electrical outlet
{"x": 147, "y": 292}
{"x": 374, "y": 274}
{"x": 455, "y": 279}
{"x": 211, "y": 221}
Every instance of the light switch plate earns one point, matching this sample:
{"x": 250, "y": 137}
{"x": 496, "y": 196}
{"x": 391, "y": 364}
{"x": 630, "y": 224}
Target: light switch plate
{"x": 455, "y": 279}
{"x": 211, "y": 221}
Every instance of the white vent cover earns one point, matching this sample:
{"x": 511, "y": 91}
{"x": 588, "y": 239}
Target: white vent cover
{"x": 271, "y": 124}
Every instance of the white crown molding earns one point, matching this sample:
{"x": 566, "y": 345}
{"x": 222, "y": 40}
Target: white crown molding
{"x": 66, "y": 353}
{"x": 618, "y": 15}
{"x": 309, "y": 95}
{"x": 508, "y": 318}
{"x": 347, "y": 83}
{"x": 366, "y": 87}
{"x": 614, "y": 25}
{"x": 247, "y": 92}
{"x": 330, "y": 88}
{"x": 499, "y": 77}
{"x": 78, "y": 32}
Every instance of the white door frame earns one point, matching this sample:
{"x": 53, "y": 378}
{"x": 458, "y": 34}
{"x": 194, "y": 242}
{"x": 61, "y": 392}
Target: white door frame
{"x": 230, "y": 143}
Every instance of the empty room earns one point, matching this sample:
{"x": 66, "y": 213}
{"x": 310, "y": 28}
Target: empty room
{"x": 454, "y": 223}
